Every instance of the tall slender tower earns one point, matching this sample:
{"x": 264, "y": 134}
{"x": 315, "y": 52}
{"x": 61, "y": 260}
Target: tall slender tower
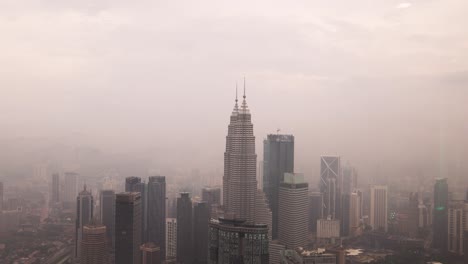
{"x": 107, "y": 214}
{"x": 379, "y": 208}
{"x": 240, "y": 165}
{"x": 440, "y": 224}
{"x": 201, "y": 218}
{"x": 330, "y": 171}
{"x": 278, "y": 159}
{"x": 54, "y": 189}
{"x": 134, "y": 184}
{"x": 70, "y": 187}
{"x": 93, "y": 245}
{"x": 184, "y": 229}
{"x": 84, "y": 215}
{"x": 156, "y": 212}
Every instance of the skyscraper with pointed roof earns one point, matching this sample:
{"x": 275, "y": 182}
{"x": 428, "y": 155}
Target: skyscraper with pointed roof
{"x": 84, "y": 215}
{"x": 240, "y": 164}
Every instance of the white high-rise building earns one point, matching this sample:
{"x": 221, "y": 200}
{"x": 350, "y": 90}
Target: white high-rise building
{"x": 293, "y": 217}
{"x": 330, "y": 179}
{"x": 171, "y": 238}
{"x": 457, "y": 224}
{"x": 379, "y": 208}
{"x": 240, "y": 165}
{"x": 355, "y": 212}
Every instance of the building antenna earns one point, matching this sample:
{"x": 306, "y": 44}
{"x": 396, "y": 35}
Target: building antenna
{"x": 244, "y": 87}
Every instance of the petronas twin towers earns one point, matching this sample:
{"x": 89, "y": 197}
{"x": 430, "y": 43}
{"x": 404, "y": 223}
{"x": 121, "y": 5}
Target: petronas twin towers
{"x": 240, "y": 196}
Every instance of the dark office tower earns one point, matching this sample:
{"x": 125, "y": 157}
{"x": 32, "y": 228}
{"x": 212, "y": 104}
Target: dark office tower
{"x": 107, "y": 214}
{"x": 184, "y": 229}
{"x": 349, "y": 179}
{"x": 465, "y": 244}
{"x": 330, "y": 170}
{"x": 54, "y": 189}
{"x": 201, "y": 219}
{"x": 315, "y": 210}
{"x": 156, "y": 212}
{"x": 93, "y": 245}
{"x": 345, "y": 211}
{"x": 84, "y": 215}
{"x": 413, "y": 215}
{"x": 278, "y": 159}
{"x": 240, "y": 165}
{"x": 127, "y": 228}
{"x": 235, "y": 241}
{"x": 134, "y": 184}
{"x": 150, "y": 253}
{"x": 440, "y": 224}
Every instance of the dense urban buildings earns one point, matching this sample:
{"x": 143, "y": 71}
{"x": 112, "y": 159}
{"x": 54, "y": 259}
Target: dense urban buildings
{"x": 330, "y": 171}
{"x": 211, "y": 195}
{"x": 128, "y": 221}
{"x": 379, "y": 208}
{"x": 150, "y": 253}
{"x": 107, "y": 214}
{"x": 328, "y": 229}
{"x": 156, "y": 212}
{"x": 201, "y": 219}
{"x": 278, "y": 158}
{"x": 440, "y": 223}
{"x": 93, "y": 245}
{"x": 240, "y": 164}
{"x": 457, "y": 224}
{"x": 171, "y": 238}
{"x": 84, "y": 216}
{"x": 235, "y": 241}
{"x": 293, "y": 211}
{"x": 184, "y": 229}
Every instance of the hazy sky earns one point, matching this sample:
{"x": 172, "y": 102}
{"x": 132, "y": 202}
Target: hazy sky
{"x": 375, "y": 81}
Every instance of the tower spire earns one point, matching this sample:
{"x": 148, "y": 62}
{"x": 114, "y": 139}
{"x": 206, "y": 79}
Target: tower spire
{"x": 244, "y": 87}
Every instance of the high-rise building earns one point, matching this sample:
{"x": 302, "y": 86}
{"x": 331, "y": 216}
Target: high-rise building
{"x": 54, "y": 188}
{"x": 184, "y": 229}
{"x": 134, "y": 184}
{"x": 171, "y": 238}
{"x": 107, "y": 214}
{"x": 345, "y": 213}
{"x": 379, "y": 208}
{"x": 150, "y": 253}
{"x": 84, "y": 215}
{"x": 278, "y": 159}
{"x": 355, "y": 212}
{"x": 93, "y": 245}
{"x": 330, "y": 178}
{"x": 440, "y": 222}
{"x": 457, "y": 224}
{"x": 263, "y": 213}
{"x": 70, "y": 187}
{"x": 1, "y": 197}
{"x": 212, "y": 196}
{"x": 201, "y": 218}
{"x": 128, "y": 221}
{"x": 328, "y": 228}
{"x": 349, "y": 176}
{"x": 315, "y": 210}
{"x": 293, "y": 211}
{"x": 156, "y": 212}
{"x": 240, "y": 164}
{"x": 235, "y": 241}
{"x": 413, "y": 215}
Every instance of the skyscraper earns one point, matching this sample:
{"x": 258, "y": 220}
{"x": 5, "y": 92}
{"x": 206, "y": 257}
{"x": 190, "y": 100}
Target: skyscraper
{"x": 201, "y": 218}
{"x": 84, "y": 215}
{"x": 156, "y": 212}
{"x": 379, "y": 208}
{"x": 107, "y": 214}
{"x": 184, "y": 229}
{"x": 240, "y": 164}
{"x": 128, "y": 220}
{"x": 278, "y": 158}
{"x": 212, "y": 196}
{"x": 1, "y": 197}
{"x": 457, "y": 224}
{"x": 293, "y": 211}
{"x": 440, "y": 222}
{"x": 263, "y": 213}
{"x": 54, "y": 188}
{"x": 235, "y": 241}
{"x": 93, "y": 245}
{"x": 355, "y": 212}
{"x": 171, "y": 238}
{"x": 349, "y": 176}
{"x": 345, "y": 213}
{"x": 150, "y": 253}
{"x": 330, "y": 170}
{"x": 134, "y": 184}
{"x": 315, "y": 209}
{"x": 413, "y": 215}
{"x": 70, "y": 187}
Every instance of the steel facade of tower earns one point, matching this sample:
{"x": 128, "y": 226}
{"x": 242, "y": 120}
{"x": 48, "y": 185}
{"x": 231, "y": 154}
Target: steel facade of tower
{"x": 156, "y": 212}
{"x": 134, "y": 184}
{"x": 240, "y": 165}
{"x": 107, "y": 214}
{"x": 184, "y": 229}
{"x": 379, "y": 208}
{"x": 84, "y": 215}
{"x": 440, "y": 223}
{"x": 128, "y": 221}
{"x": 93, "y": 245}
{"x": 330, "y": 171}
{"x": 201, "y": 219}
{"x": 278, "y": 158}
{"x": 235, "y": 241}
